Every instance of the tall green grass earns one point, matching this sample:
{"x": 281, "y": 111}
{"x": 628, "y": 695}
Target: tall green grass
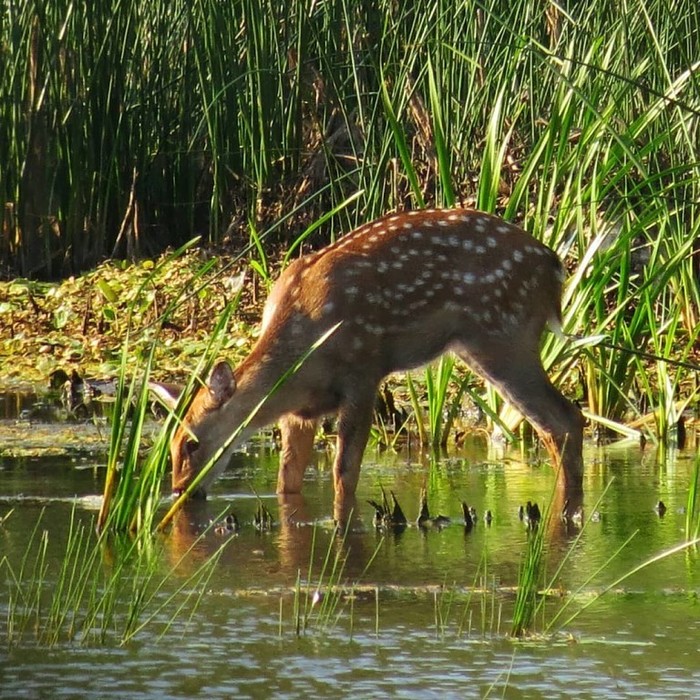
{"x": 535, "y": 584}
{"x": 692, "y": 511}
{"x": 133, "y": 483}
{"x": 130, "y": 126}
{"x": 105, "y": 590}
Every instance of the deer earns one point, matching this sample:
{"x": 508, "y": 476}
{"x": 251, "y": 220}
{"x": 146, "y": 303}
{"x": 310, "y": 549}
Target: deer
{"x": 392, "y": 295}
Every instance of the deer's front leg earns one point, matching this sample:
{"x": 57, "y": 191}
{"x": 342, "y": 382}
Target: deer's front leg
{"x": 297, "y": 444}
{"x": 354, "y": 423}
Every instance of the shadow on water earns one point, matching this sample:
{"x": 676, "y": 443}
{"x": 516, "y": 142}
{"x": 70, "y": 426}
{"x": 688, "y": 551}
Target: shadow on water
{"x": 435, "y": 600}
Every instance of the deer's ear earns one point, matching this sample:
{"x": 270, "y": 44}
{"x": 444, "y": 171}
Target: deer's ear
{"x": 221, "y": 383}
{"x": 167, "y": 394}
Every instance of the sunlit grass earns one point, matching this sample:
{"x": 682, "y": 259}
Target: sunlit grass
{"x": 692, "y": 510}
{"x": 133, "y": 483}
{"x": 346, "y": 114}
{"x": 106, "y": 590}
{"x": 318, "y": 118}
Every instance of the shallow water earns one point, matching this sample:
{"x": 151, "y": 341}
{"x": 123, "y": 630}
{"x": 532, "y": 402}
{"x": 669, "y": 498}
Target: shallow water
{"x": 432, "y": 611}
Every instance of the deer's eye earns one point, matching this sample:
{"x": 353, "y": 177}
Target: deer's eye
{"x": 190, "y": 446}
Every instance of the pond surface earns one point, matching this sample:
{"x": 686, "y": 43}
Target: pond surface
{"x": 431, "y": 611}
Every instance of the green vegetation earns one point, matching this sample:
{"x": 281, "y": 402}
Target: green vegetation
{"x": 320, "y": 601}
{"x": 106, "y": 591}
{"x": 535, "y": 586}
{"x": 128, "y": 127}
{"x": 692, "y": 512}
{"x": 268, "y": 129}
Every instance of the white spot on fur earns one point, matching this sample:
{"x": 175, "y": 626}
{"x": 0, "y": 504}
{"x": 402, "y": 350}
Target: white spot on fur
{"x": 268, "y": 313}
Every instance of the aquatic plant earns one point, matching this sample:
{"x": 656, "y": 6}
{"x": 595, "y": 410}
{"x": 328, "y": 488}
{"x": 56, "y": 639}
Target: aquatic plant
{"x": 530, "y": 576}
{"x": 132, "y": 490}
{"x": 320, "y": 600}
{"x": 399, "y": 107}
{"x": 107, "y": 590}
{"x": 692, "y": 509}
{"x": 534, "y": 585}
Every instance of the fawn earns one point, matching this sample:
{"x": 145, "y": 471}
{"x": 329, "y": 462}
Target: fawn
{"x": 402, "y": 290}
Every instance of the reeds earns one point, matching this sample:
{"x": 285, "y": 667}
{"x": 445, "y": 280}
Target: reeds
{"x": 132, "y": 491}
{"x": 130, "y": 123}
{"x": 692, "y": 510}
{"x": 106, "y": 590}
{"x": 321, "y": 600}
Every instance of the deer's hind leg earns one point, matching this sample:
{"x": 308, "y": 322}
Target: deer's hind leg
{"x": 517, "y": 372}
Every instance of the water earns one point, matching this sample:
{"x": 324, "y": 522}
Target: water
{"x": 432, "y": 610}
